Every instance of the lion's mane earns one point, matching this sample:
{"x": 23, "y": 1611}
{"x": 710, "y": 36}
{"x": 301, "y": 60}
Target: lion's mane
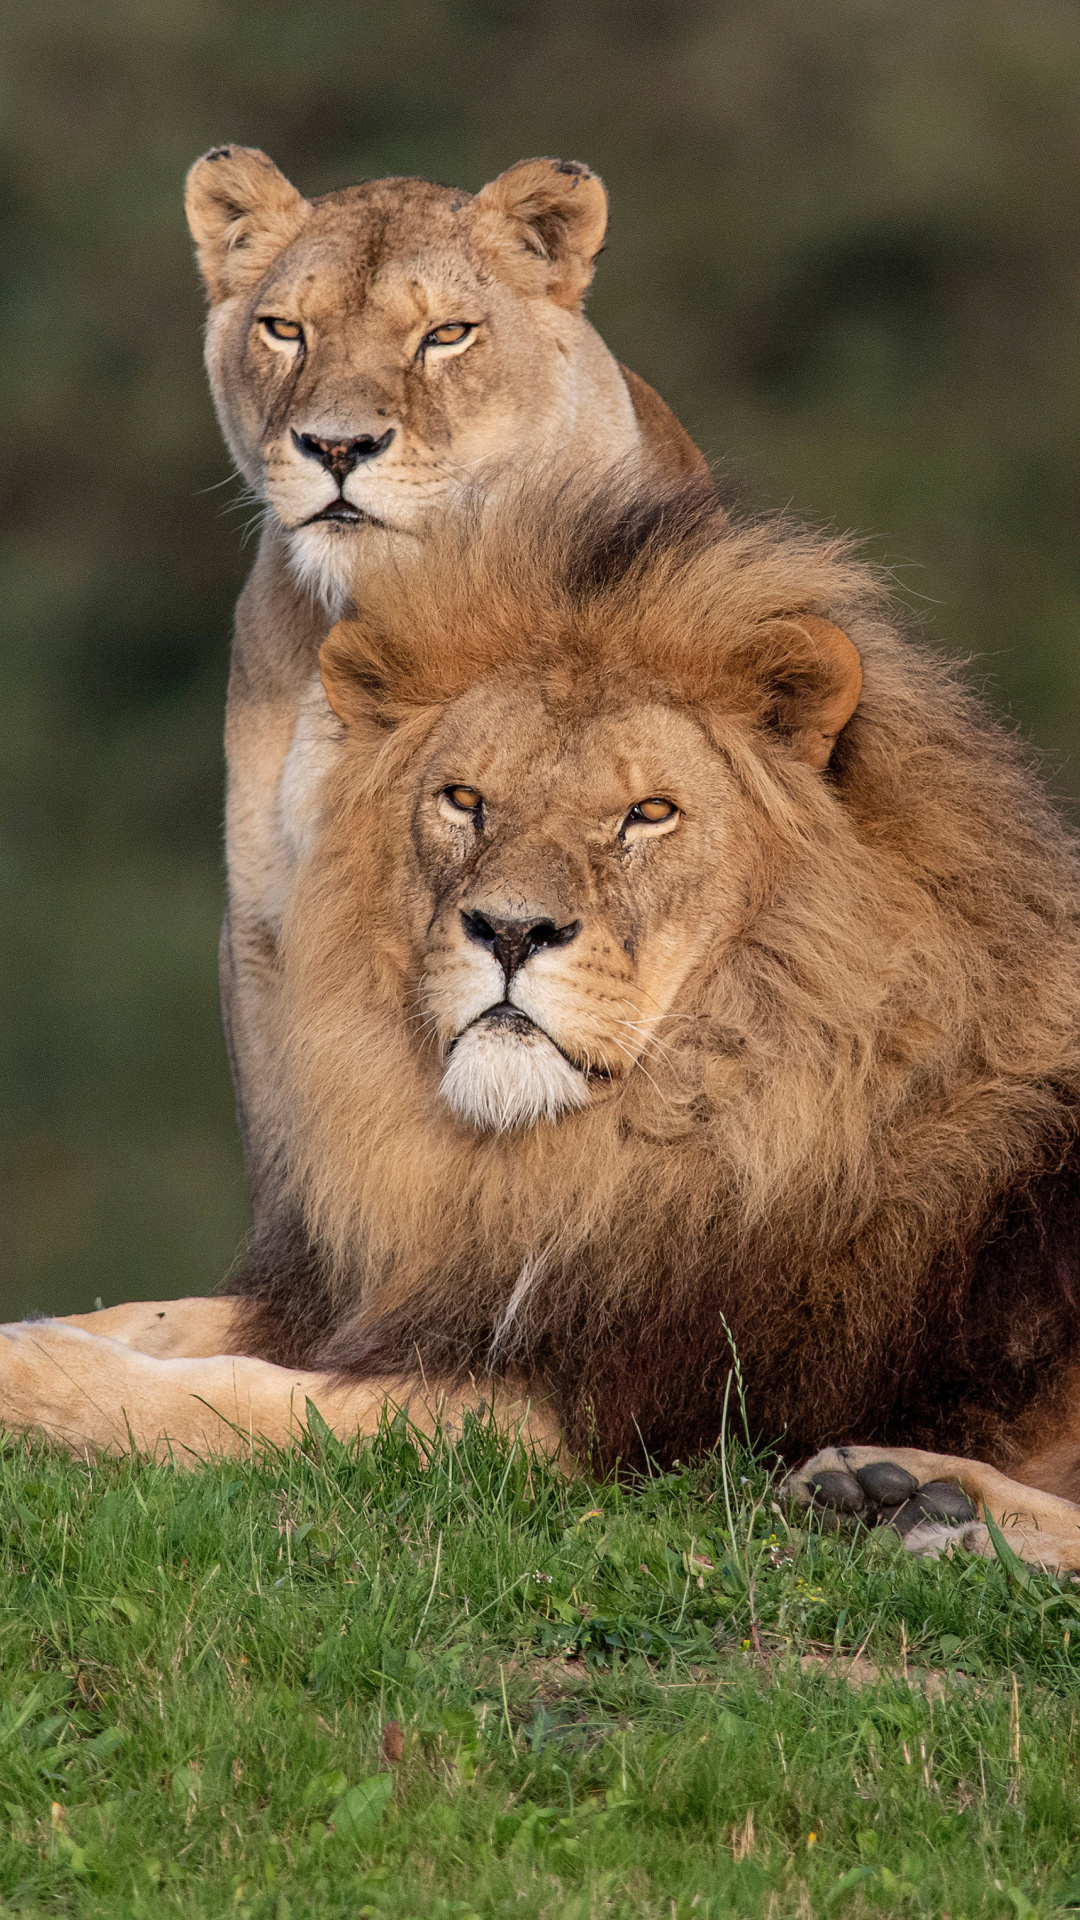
{"x": 851, "y": 1154}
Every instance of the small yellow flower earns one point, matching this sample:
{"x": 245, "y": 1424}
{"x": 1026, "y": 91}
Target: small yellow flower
{"x": 811, "y": 1840}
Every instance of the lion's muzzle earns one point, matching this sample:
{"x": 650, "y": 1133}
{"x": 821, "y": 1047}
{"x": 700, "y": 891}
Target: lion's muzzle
{"x": 504, "y": 1072}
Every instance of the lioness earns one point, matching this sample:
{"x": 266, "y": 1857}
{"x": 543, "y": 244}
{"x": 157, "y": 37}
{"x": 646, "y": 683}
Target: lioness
{"x": 368, "y": 352}
{"x": 681, "y": 959}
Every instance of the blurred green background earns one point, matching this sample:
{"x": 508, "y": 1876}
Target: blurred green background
{"x": 845, "y": 246}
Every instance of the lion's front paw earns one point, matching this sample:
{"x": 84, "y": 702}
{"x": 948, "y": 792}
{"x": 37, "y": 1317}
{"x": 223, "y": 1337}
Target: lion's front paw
{"x": 849, "y": 1487}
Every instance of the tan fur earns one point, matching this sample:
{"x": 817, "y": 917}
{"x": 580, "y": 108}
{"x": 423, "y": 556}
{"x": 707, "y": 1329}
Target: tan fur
{"x": 165, "y": 1329}
{"x": 834, "y": 1005}
{"x": 93, "y": 1393}
{"x": 806, "y": 959}
{"x": 848, "y": 1023}
{"x": 367, "y": 272}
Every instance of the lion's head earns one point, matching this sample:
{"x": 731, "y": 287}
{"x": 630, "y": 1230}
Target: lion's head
{"x": 371, "y": 349}
{"x": 577, "y": 844}
{"x": 680, "y": 949}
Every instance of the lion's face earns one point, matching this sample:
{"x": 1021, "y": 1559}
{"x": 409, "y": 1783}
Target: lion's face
{"x": 371, "y": 350}
{"x": 567, "y": 872}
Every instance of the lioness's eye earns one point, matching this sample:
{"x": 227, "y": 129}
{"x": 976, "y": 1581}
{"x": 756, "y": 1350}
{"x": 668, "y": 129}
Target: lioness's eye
{"x": 463, "y": 799}
{"x": 289, "y": 331}
{"x": 651, "y": 813}
{"x": 450, "y": 334}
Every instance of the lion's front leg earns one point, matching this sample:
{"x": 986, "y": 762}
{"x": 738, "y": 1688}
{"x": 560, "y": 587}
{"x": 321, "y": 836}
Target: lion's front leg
{"x": 937, "y": 1499}
{"x": 168, "y": 1329}
{"x": 99, "y": 1395}
{"x": 95, "y": 1394}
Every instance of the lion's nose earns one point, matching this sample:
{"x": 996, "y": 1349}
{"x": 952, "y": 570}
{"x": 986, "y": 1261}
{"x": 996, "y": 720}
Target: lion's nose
{"x": 339, "y": 457}
{"x": 512, "y": 941}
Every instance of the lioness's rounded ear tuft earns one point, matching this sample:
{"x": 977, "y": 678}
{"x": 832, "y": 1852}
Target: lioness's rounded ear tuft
{"x": 558, "y": 211}
{"x": 242, "y": 211}
{"x": 812, "y": 685}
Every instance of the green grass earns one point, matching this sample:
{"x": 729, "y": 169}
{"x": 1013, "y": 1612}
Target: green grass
{"x": 596, "y": 1688}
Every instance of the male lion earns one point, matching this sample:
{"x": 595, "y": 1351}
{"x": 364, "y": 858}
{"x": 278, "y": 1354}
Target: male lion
{"x": 681, "y": 960}
{"x": 368, "y": 352}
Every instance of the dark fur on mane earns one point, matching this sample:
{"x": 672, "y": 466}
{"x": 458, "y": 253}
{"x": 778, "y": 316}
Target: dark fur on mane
{"x": 617, "y": 534}
{"x": 991, "y": 1353}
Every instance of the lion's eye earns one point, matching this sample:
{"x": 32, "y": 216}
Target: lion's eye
{"x": 463, "y": 800}
{"x": 653, "y": 812}
{"x": 453, "y": 333}
{"x": 286, "y": 332}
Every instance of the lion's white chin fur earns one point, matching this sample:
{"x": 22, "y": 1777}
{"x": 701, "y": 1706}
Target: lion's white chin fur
{"x": 503, "y": 1074}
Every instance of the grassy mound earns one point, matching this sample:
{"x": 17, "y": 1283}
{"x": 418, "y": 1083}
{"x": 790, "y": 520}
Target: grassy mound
{"x": 355, "y": 1681}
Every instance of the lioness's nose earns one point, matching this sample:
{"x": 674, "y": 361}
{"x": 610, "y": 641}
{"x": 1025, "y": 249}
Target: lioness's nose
{"x": 512, "y": 941}
{"x": 339, "y": 457}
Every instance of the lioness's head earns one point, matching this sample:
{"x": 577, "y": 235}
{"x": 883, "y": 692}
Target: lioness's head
{"x": 557, "y": 777}
{"x": 369, "y": 350}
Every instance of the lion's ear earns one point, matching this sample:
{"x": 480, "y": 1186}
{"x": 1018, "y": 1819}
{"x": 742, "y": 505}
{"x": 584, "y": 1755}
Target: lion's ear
{"x": 557, "y": 211}
{"x": 351, "y": 682}
{"x": 812, "y": 684}
{"x": 242, "y": 211}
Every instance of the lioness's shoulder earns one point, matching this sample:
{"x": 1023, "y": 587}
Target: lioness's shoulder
{"x": 674, "y": 454}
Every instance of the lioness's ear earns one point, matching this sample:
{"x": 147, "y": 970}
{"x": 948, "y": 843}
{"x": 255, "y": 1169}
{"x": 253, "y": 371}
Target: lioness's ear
{"x": 558, "y": 213}
{"x": 812, "y": 685}
{"x": 241, "y": 212}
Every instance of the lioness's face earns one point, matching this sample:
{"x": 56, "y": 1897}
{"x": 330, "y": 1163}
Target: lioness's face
{"x": 376, "y": 366}
{"x": 569, "y": 872}
{"x": 372, "y": 350}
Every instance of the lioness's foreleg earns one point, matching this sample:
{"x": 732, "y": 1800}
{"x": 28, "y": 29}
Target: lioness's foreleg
{"x": 99, "y": 1395}
{"x": 919, "y": 1491}
{"x": 167, "y": 1329}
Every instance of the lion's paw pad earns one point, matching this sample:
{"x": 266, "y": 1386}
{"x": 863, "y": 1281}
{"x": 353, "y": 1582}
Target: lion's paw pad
{"x": 840, "y": 1491}
{"x": 938, "y": 1500}
{"x": 884, "y": 1495}
{"x": 887, "y": 1485}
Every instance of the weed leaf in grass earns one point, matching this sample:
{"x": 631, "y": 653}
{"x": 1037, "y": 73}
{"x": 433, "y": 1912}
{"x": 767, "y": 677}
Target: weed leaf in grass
{"x": 847, "y": 1880}
{"x": 106, "y": 1743}
{"x": 1010, "y": 1561}
{"x": 318, "y": 1440}
{"x": 729, "y": 1726}
{"x": 323, "y": 1790}
{"x": 75, "y": 1857}
{"x": 360, "y": 1811}
{"x": 1021, "y": 1905}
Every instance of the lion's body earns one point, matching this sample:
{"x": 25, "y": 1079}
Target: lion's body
{"x": 849, "y": 1132}
{"x": 678, "y": 961}
{"x": 363, "y": 272}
